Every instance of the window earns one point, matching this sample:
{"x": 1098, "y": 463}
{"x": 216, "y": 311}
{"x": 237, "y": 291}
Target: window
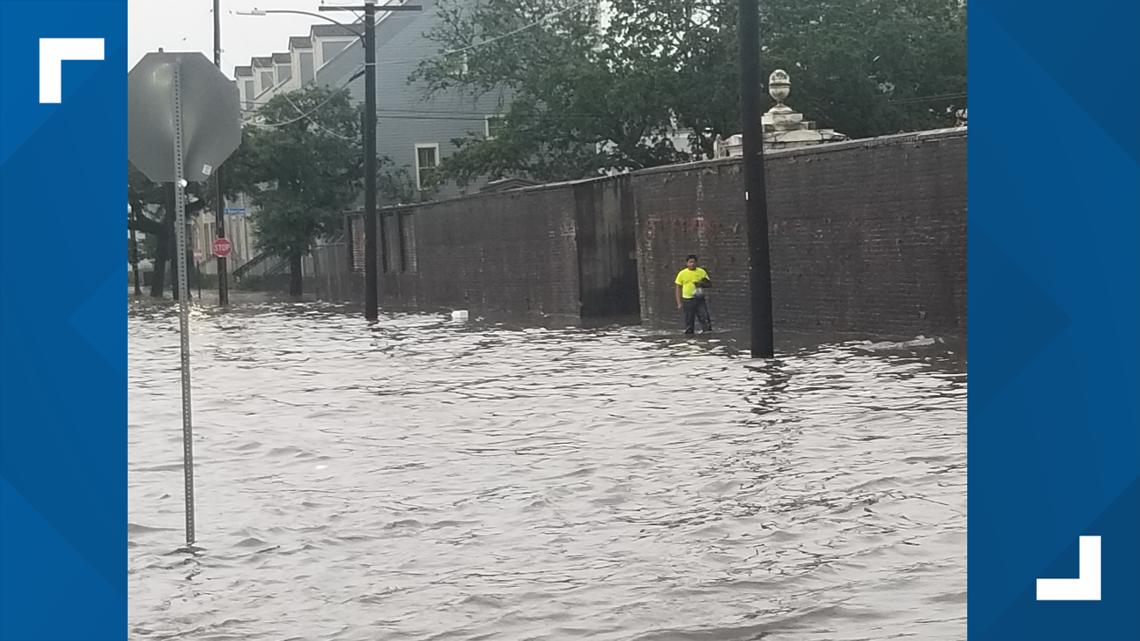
{"x": 494, "y": 125}
{"x": 250, "y": 93}
{"x": 284, "y": 72}
{"x": 306, "y": 67}
{"x": 427, "y": 159}
{"x": 266, "y": 80}
{"x": 329, "y": 50}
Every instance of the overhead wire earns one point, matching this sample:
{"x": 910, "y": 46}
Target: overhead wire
{"x": 390, "y": 114}
{"x": 303, "y": 115}
{"x": 498, "y": 38}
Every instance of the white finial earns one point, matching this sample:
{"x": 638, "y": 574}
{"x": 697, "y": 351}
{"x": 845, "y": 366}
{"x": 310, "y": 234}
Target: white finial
{"x": 779, "y": 86}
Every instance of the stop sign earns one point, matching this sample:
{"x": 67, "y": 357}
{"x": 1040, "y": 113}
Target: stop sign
{"x": 211, "y": 115}
{"x": 222, "y": 247}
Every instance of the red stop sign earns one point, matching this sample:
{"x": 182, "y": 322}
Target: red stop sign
{"x": 222, "y": 247}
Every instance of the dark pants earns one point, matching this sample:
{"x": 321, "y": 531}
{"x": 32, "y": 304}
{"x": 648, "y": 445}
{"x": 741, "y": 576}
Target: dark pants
{"x": 696, "y": 309}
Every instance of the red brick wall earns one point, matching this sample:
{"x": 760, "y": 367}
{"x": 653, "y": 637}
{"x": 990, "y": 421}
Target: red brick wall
{"x": 867, "y": 237}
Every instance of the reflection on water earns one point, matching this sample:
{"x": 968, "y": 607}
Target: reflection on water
{"x": 427, "y": 480}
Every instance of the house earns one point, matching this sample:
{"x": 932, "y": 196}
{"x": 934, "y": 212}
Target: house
{"x": 413, "y": 130}
{"x": 301, "y": 58}
{"x": 247, "y": 91}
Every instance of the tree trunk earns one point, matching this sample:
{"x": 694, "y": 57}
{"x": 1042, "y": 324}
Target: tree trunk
{"x": 165, "y": 244}
{"x": 295, "y": 281}
{"x": 134, "y": 256}
{"x": 174, "y": 271}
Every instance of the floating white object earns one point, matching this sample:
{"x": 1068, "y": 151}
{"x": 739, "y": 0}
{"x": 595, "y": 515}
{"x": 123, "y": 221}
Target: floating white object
{"x": 459, "y": 315}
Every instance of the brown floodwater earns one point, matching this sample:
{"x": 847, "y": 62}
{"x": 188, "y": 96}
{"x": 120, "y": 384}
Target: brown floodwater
{"x": 423, "y": 479}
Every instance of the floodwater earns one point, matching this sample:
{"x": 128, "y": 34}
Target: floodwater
{"x": 422, "y": 479}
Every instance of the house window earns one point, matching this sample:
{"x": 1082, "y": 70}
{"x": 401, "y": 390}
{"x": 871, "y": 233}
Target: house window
{"x": 284, "y": 72}
{"x": 494, "y": 126}
{"x": 427, "y": 159}
{"x": 266, "y": 80}
{"x": 250, "y": 93}
{"x": 330, "y": 50}
{"x": 306, "y": 67}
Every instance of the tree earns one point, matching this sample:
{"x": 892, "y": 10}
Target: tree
{"x": 592, "y": 90}
{"x": 301, "y": 166}
{"x": 143, "y": 195}
{"x": 570, "y": 92}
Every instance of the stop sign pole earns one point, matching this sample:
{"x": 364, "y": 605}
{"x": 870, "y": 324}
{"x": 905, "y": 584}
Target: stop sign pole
{"x": 185, "y": 120}
{"x": 183, "y": 301}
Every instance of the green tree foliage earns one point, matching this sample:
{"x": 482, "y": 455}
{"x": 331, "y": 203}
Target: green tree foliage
{"x": 300, "y": 165}
{"x": 593, "y": 87}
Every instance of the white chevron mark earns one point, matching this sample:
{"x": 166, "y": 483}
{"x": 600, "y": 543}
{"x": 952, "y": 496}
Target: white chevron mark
{"x": 1086, "y": 587}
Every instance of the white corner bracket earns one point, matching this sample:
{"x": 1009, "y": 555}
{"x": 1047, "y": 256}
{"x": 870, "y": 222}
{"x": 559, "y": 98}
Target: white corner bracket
{"x": 53, "y": 51}
{"x": 1086, "y": 587}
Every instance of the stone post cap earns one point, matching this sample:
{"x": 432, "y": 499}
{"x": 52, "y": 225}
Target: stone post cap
{"x": 779, "y": 86}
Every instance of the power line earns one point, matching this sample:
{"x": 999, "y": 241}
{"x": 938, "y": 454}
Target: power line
{"x": 495, "y": 39}
{"x": 317, "y": 124}
{"x": 359, "y": 69}
{"x": 443, "y": 114}
{"x": 302, "y": 116}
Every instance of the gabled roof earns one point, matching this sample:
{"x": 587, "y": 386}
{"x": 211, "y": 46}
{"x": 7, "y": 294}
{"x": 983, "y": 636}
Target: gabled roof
{"x": 281, "y": 57}
{"x": 243, "y": 71}
{"x": 336, "y": 31}
{"x": 265, "y": 61}
{"x": 300, "y": 42}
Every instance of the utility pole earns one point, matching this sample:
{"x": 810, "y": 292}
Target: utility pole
{"x": 219, "y": 194}
{"x": 371, "y": 280}
{"x": 755, "y": 194}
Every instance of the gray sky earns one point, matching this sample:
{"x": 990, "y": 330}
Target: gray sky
{"x": 188, "y": 25}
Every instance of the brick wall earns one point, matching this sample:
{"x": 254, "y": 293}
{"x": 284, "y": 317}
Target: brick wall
{"x": 607, "y": 258}
{"x": 867, "y": 237}
{"x": 511, "y": 253}
{"x": 560, "y": 251}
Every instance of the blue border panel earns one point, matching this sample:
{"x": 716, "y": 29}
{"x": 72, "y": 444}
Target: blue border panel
{"x": 1054, "y": 256}
{"x": 62, "y": 328}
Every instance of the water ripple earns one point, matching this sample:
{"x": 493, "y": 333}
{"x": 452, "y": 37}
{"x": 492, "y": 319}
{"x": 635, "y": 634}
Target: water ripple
{"x": 420, "y": 479}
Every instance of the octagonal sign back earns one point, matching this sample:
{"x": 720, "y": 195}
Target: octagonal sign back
{"x": 211, "y": 116}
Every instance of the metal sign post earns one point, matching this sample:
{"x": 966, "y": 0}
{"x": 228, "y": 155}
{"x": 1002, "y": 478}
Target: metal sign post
{"x": 185, "y": 120}
{"x": 183, "y": 302}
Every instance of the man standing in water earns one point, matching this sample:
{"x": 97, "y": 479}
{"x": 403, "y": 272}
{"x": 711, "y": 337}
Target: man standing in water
{"x": 691, "y": 283}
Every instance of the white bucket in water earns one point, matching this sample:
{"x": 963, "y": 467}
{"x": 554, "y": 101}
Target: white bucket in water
{"x": 459, "y": 315}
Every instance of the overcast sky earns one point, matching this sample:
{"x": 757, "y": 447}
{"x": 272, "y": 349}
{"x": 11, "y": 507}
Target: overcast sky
{"x": 188, "y": 25}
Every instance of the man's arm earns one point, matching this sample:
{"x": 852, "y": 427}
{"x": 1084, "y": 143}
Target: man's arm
{"x": 678, "y": 297}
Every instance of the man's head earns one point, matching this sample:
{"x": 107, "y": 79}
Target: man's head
{"x": 691, "y": 261}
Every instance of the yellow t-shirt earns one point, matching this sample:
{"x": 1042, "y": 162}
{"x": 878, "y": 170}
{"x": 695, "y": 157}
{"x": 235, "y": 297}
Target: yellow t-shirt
{"x": 688, "y": 279}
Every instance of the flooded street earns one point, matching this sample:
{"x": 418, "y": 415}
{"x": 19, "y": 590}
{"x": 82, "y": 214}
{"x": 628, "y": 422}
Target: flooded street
{"x": 424, "y": 479}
